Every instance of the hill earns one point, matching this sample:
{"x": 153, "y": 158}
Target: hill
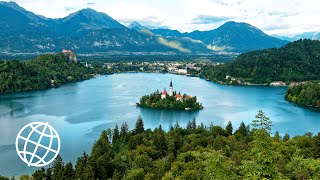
{"x": 44, "y": 72}
{"x": 85, "y": 20}
{"x": 297, "y": 61}
{"x": 168, "y": 32}
{"x": 306, "y": 94}
{"x": 231, "y": 36}
{"x": 237, "y": 37}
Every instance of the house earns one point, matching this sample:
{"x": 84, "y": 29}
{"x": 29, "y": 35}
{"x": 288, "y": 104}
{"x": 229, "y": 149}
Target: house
{"x": 179, "y": 97}
{"x": 164, "y": 94}
{"x": 181, "y": 71}
{"x": 278, "y": 83}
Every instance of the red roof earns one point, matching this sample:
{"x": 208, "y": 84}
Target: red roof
{"x": 179, "y": 96}
{"x": 164, "y": 92}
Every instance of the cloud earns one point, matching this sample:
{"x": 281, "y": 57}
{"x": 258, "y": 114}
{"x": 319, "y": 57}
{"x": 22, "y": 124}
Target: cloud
{"x": 69, "y": 9}
{"x": 228, "y": 2}
{"x": 91, "y": 3}
{"x": 207, "y": 19}
{"x": 277, "y": 27}
{"x": 283, "y": 14}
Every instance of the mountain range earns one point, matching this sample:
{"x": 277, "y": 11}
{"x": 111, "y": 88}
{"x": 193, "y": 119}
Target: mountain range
{"x": 307, "y": 35}
{"x": 89, "y": 32}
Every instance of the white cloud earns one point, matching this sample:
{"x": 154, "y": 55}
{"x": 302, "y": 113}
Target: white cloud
{"x": 283, "y": 17}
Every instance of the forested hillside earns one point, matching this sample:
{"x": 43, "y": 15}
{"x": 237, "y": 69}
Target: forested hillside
{"x": 297, "y": 61}
{"x": 41, "y": 73}
{"x": 307, "y": 94}
{"x": 194, "y": 152}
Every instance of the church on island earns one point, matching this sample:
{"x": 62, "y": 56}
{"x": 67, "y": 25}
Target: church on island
{"x": 171, "y": 93}
{"x": 169, "y": 100}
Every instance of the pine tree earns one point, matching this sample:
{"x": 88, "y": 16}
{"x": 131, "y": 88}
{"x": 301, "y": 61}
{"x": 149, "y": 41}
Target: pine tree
{"x": 286, "y": 137}
{"x": 39, "y": 174}
{"x": 192, "y": 125}
{"x": 263, "y": 163}
{"x": 84, "y": 169}
{"x": 58, "y": 168}
{"x": 139, "y": 126}
{"x": 116, "y": 134}
{"x": 242, "y": 130}
{"x": 176, "y": 125}
{"x": 81, "y": 166}
{"x": 277, "y": 136}
{"x": 229, "y": 128}
{"x": 262, "y": 122}
{"x": 160, "y": 141}
{"x": 124, "y": 130}
{"x": 49, "y": 174}
{"x": 3, "y": 178}
{"x": 101, "y": 157}
{"x": 69, "y": 171}
{"x": 316, "y": 146}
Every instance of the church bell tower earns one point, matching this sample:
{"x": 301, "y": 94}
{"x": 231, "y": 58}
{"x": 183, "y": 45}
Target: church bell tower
{"x": 171, "y": 89}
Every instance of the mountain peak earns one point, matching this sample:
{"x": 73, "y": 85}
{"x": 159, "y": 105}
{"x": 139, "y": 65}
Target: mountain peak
{"x": 240, "y": 26}
{"x": 137, "y": 26}
{"x": 86, "y": 20}
{"x": 12, "y": 5}
{"x": 234, "y": 23}
{"x": 89, "y": 10}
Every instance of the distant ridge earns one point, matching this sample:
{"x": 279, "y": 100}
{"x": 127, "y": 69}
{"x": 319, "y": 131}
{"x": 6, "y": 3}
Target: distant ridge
{"x": 137, "y": 26}
{"x": 90, "y": 32}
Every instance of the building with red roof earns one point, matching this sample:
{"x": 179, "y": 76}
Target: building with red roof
{"x": 164, "y": 94}
{"x": 179, "y": 97}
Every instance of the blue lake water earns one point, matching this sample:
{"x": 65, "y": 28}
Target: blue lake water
{"x": 80, "y": 111}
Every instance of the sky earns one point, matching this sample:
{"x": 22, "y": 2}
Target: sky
{"x": 281, "y": 17}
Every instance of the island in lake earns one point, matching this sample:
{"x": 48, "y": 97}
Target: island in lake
{"x": 171, "y": 100}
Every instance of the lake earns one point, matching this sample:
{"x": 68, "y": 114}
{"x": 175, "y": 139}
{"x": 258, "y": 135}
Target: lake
{"x": 80, "y": 111}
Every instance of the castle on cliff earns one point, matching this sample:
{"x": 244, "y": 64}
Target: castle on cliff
{"x": 71, "y": 55}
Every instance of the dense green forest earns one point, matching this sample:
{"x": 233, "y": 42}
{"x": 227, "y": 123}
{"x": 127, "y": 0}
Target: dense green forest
{"x": 307, "y": 94}
{"x": 50, "y": 70}
{"x": 155, "y": 101}
{"x": 194, "y": 152}
{"x": 297, "y": 61}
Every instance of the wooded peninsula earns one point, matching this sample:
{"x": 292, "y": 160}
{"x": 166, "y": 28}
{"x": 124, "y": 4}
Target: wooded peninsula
{"x": 306, "y": 94}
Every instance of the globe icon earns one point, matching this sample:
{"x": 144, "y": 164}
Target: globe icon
{"x": 37, "y": 144}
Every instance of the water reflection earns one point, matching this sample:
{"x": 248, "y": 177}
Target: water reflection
{"x": 167, "y": 118}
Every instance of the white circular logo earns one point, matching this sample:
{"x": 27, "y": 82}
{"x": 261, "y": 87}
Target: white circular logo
{"x": 37, "y": 144}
